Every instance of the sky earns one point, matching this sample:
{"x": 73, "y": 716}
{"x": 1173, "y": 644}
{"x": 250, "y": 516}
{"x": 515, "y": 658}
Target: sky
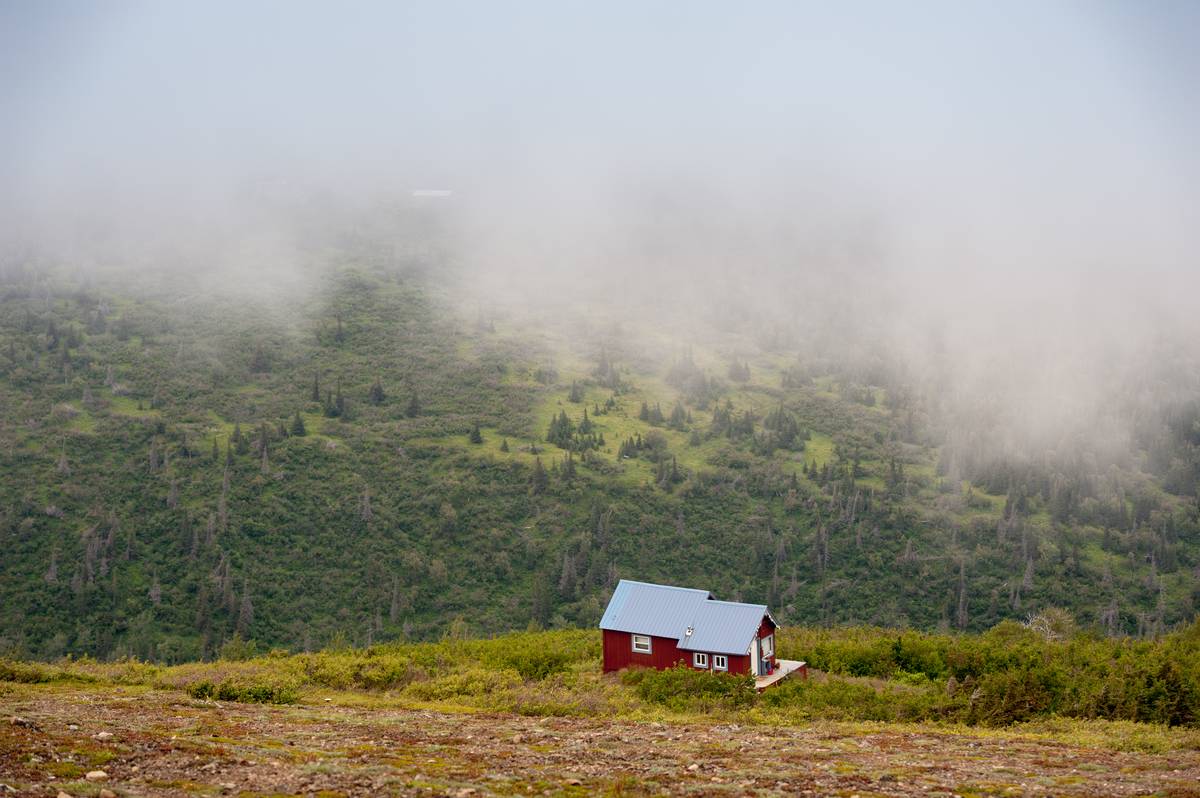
{"x": 1024, "y": 170}
{"x": 908, "y": 99}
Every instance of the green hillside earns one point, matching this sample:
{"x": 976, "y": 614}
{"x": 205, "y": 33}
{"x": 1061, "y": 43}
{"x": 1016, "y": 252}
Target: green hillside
{"x": 371, "y": 456}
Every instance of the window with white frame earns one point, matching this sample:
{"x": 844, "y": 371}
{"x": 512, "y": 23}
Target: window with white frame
{"x": 768, "y": 646}
{"x": 641, "y": 644}
{"x": 720, "y": 662}
{"x": 700, "y": 660}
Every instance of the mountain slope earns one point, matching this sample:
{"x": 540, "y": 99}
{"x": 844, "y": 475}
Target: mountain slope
{"x": 503, "y": 466}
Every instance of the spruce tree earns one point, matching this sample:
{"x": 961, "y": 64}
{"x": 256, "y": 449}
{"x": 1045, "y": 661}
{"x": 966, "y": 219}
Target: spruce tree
{"x": 316, "y": 389}
{"x": 377, "y": 394}
{"x": 298, "y": 428}
{"x": 414, "y": 406}
{"x": 241, "y": 443}
{"x": 476, "y": 434}
{"x": 539, "y": 480}
{"x": 504, "y": 445}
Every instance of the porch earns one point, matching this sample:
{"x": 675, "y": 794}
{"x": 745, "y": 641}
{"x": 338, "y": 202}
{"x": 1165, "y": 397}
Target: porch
{"x": 785, "y": 669}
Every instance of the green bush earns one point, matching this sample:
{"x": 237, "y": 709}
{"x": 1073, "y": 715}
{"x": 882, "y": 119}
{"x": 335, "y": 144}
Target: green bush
{"x": 683, "y": 688}
{"x": 255, "y": 693}
{"x": 472, "y": 682}
{"x": 27, "y": 673}
{"x": 1013, "y": 672}
{"x": 363, "y": 670}
{"x": 835, "y": 699}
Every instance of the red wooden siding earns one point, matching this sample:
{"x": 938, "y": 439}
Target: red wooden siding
{"x": 619, "y": 653}
{"x": 664, "y": 653}
{"x": 739, "y": 664}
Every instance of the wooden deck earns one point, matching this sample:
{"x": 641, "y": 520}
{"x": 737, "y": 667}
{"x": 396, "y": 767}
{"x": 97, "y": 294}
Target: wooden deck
{"x": 786, "y": 668}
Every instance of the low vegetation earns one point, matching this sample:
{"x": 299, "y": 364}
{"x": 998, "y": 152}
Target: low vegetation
{"x": 1010, "y": 674}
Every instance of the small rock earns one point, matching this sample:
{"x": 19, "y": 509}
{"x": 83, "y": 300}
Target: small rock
{"x": 96, "y": 775}
{"x": 518, "y": 739}
{"x": 465, "y": 791}
{"x": 693, "y": 767}
{"x": 104, "y": 736}
{"x": 15, "y": 721}
{"x": 574, "y": 782}
{"x": 73, "y": 726}
{"x": 107, "y": 793}
{"x": 62, "y": 794}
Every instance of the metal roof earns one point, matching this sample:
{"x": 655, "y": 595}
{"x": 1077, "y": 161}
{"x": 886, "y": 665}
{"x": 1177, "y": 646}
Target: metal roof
{"x": 725, "y": 627}
{"x": 646, "y": 609}
{"x": 722, "y": 627}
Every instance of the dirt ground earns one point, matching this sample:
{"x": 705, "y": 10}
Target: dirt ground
{"x": 165, "y": 743}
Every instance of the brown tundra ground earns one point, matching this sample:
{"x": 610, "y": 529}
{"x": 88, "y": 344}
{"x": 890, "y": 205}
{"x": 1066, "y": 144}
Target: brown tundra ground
{"x": 153, "y": 742}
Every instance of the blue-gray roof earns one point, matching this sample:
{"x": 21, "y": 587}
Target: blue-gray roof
{"x": 722, "y": 627}
{"x": 726, "y": 627}
{"x": 647, "y": 609}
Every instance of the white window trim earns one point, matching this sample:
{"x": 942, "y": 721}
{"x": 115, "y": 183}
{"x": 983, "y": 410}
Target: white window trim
{"x": 636, "y": 639}
{"x": 720, "y": 662}
{"x": 768, "y": 646}
{"x": 700, "y": 660}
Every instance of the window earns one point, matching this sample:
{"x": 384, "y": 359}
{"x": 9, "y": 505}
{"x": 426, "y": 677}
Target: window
{"x": 700, "y": 660}
{"x": 768, "y": 646}
{"x": 641, "y": 644}
{"x": 720, "y": 662}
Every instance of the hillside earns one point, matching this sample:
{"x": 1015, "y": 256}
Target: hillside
{"x": 371, "y": 453}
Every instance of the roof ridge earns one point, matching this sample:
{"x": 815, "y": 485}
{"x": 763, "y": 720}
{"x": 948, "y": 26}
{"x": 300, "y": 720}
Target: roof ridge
{"x": 736, "y": 603}
{"x": 666, "y": 587}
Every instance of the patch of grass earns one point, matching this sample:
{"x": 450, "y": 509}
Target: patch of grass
{"x": 818, "y": 450}
{"x": 128, "y": 406}
{"x": 65, "y": 770}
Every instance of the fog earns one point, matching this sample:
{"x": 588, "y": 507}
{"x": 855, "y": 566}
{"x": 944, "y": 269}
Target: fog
{"x": 999, "y": 200}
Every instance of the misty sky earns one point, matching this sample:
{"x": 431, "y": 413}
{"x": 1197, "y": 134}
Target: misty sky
{"x": 1005, "y": 192}
{"x": 1036, "y": 138}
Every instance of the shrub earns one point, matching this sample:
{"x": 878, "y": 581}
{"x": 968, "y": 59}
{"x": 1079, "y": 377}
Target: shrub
{"x": 835, "y": 699}
{"x": 12, "y": 671}
{"x": 683, "y": 688}
{"x": 472, "y": 682}
{"x": 254, "y": 693}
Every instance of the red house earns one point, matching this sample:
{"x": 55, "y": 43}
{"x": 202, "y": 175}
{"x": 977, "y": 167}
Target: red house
{"x": 658, "y": 626}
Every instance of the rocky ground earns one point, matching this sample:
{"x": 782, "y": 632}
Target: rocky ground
{"x": 82, "y": 740}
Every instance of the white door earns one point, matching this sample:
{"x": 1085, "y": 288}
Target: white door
{"x": 755, "y": 657}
